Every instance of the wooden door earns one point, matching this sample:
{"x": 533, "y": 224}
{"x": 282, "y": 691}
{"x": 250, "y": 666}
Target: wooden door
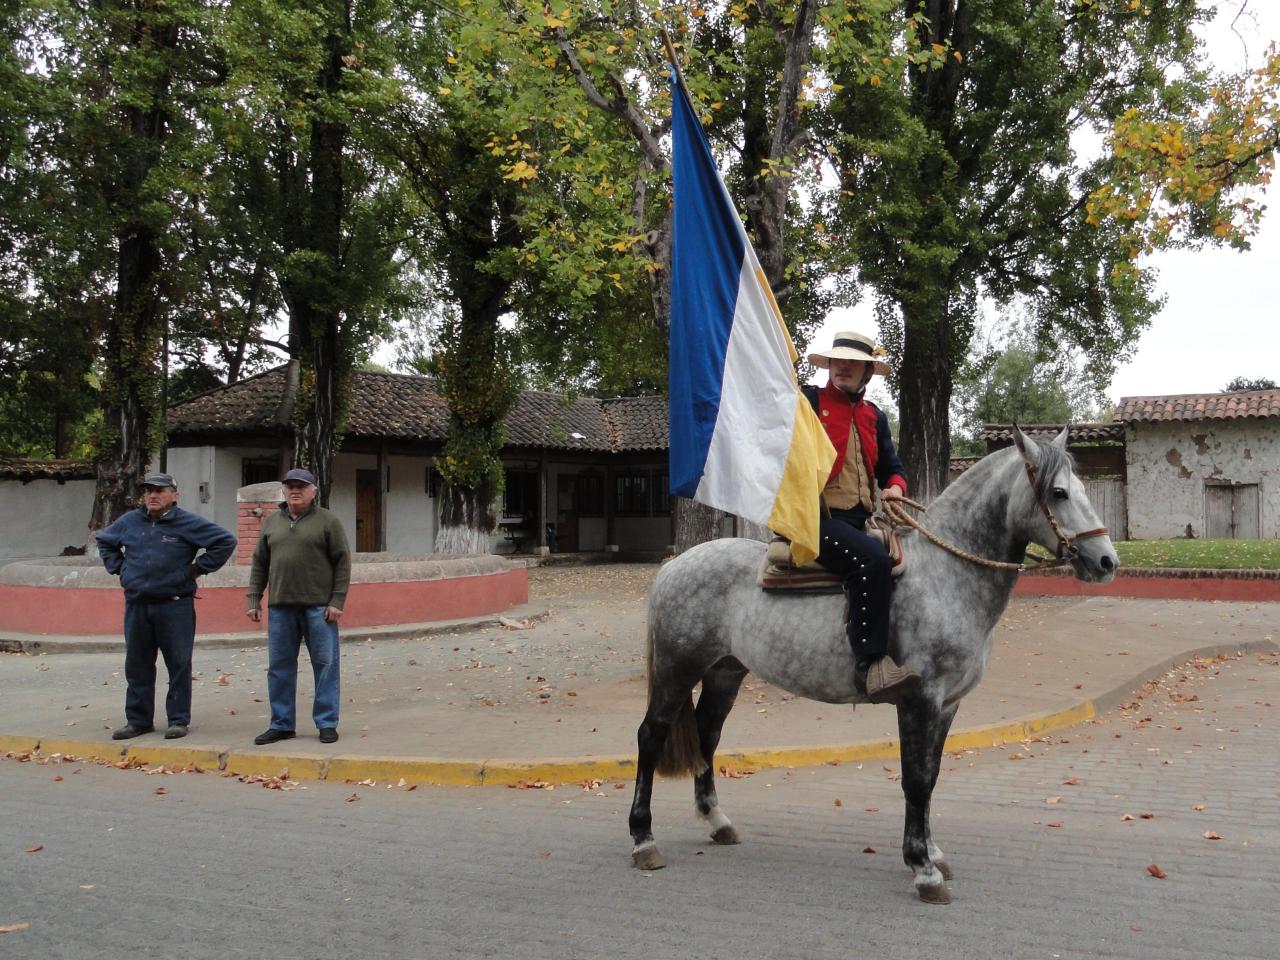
{"x": 1108, "y": 498}
{"x": 368, "y": 512}
{"x": 566, "y": 513}
{"x": 1232, "y": 511}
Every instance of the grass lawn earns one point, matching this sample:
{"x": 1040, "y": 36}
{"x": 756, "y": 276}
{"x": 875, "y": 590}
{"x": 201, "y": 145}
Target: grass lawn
{"x": 1211, "y": 554}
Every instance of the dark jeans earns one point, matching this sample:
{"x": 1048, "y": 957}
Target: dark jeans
{"x": 170, "y": 628}
{"x": 865, "y": 566}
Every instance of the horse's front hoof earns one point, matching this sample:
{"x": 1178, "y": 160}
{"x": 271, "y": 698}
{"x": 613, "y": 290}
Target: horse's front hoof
{"x": 727, "y": 835}
{"x": 647, "y": 857}
{"x": 944, "y": 868}
{"x": 934, "y": 893}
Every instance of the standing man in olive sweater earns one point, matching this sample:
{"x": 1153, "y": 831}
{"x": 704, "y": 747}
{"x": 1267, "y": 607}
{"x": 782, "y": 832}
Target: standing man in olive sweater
{"x": 303, "y": 560}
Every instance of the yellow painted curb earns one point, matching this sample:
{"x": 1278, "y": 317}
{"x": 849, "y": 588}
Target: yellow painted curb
{"x": 176, "y": 757}
{"x": 506, "y": 773}
{"x": 445, "y": 773}
{"x": 18, "y": 744}
{"x": 299, "y": 768}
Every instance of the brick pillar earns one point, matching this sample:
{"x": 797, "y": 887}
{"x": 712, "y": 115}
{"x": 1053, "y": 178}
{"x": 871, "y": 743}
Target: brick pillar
{"x": 253, "y": 503}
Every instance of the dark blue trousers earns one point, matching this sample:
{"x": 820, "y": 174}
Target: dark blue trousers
{"x": 167, "y": 627}
{"x": 868, "y": 582}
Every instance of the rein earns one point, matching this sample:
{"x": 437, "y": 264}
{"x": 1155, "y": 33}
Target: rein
{"x": 894, "y": 510}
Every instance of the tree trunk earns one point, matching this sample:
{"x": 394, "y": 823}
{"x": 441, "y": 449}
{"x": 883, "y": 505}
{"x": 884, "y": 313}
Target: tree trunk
{"x": 924, "y": 389}
{"x": 466, "y": 517}
{"x": 695, "y": 523}
{"x": 130, "y": 389}
{"x": 316, "y": 315}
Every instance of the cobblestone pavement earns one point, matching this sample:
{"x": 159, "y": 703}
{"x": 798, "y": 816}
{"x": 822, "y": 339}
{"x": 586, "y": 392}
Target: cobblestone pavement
{"x": 1153, "y": 832}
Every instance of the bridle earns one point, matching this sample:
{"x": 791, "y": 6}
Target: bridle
{"x": 894, "y": 510}
{"x": 1066, "y": 551}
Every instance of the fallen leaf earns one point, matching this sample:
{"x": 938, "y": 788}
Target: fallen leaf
{"x": 13, "y": 927}
{"x": 1135, "y": 928}
{"x": 732, "y": 774}
{"x": 224, "y": 680}
{"x": 57, "y": 778}
{"x": 1054, "y": 823}
{"x": 1052, "y": 799}
{"x": 872, "y": 809}
{"x": 1198, "y": 808}
{"x": 838, "y": 802}
{"x": 544, "y": 853}
{"x": 353, "y": 798}
{"x": 1156, "y": 872}
{"x": 1147, "y": 816}
{"x": 35, "y": 848}
{"x": 1211, "y": 835}
{"x": 868, "y": 849}
{"x": 161, "y": 791}
{"x": 1070, "y": 782}
{"x": 1127, "y": 816}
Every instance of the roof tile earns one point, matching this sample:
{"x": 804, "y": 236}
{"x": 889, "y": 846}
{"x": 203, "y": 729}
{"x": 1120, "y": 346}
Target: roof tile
{"x": 1257, "y": 404}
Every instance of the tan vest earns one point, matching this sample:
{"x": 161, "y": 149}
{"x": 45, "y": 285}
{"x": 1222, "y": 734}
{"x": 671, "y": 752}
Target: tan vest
{"x": 851, "y": 486}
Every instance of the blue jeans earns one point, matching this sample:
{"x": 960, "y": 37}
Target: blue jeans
{"x": 288, "y": 625}
{"x": 167, "y": 627}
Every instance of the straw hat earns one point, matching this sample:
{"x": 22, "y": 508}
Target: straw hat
{"x": 852, "y": 346}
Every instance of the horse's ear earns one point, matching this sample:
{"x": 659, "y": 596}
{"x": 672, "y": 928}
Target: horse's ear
{"x": 1060, "y": 441}
{"x": 1023, "y": 443}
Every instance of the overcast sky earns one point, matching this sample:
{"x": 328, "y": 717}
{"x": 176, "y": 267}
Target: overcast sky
{"x": 1221, "y": 317}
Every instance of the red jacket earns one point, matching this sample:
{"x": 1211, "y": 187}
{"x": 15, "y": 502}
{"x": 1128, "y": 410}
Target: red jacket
{"x": 839, "y": 415}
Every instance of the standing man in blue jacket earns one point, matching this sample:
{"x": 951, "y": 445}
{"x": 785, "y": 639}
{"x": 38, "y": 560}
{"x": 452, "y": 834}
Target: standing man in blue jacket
{"x": 154, "y": 550}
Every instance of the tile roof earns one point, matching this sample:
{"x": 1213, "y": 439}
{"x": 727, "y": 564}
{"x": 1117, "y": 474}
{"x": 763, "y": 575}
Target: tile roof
{"x": 1047, "y": 431}
{"x": 1259, "y": 404}
{"x": 25, "y": 468}
{"x": 396, "y": 406}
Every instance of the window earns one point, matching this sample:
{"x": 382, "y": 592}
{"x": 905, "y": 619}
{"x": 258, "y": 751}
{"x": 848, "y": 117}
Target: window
{"x": 661, "y": 494}
{"x": 631, "y": 495}
{"x": 591, "y": 495}
{"x": 520, "y": 493}
{"x": 259, "y": 470}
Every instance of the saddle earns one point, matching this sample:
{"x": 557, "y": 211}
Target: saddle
{"x": 779, "y": 572}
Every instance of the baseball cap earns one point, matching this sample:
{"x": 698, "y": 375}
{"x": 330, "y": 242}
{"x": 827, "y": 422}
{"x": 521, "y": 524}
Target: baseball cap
{"x": 297, "y": 473}
{"x": 158, "y": 480}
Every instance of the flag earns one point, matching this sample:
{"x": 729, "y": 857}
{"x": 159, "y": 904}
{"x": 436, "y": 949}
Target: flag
{"x": 743, "y": 437}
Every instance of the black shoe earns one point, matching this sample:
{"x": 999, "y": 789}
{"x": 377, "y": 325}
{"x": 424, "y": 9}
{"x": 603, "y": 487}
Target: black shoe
{"x": 129, "y": 731}
{"x": 176, "y": 731}
{"x": 272, "y": 736}
{"x": 328, "y": 735}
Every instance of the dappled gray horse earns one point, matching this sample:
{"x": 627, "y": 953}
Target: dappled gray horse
{"x": 709, "y": 621}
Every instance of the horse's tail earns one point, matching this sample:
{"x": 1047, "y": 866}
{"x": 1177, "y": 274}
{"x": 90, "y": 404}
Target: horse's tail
{"x": 682, "y": 753}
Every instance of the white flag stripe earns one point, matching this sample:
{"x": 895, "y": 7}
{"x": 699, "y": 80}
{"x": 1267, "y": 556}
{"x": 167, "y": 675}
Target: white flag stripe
{"x": 752, "y": 436}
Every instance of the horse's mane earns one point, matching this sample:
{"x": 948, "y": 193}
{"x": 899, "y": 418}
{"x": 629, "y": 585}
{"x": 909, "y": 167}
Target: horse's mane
{"x": 1049, "y": 461}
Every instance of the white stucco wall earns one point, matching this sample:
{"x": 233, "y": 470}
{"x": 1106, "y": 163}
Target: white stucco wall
{"x": 219, "y": 467}
{"x": 411, "y": 514}
{"x": 1168, "y": 465}
{"x": 41, "y": 517}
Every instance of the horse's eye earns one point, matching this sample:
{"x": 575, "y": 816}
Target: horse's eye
{"x": 1059, "y": 493}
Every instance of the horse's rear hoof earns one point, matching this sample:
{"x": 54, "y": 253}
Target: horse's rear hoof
{"x": 727, "y": 835}
{"x": 647, "y": 858}
{"x": 934, "y": 893}
{"x": 943, "y": 868}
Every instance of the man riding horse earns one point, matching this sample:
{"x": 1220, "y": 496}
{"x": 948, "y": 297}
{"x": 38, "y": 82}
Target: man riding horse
{"x": 865, "y": 460}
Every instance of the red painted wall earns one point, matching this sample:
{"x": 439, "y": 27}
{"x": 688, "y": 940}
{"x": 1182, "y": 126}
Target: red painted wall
{"x": 81, "y": 611}
{"x": 1156, "y": 588}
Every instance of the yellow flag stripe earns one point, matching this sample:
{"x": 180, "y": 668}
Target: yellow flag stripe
{"x": 795, "y": 510}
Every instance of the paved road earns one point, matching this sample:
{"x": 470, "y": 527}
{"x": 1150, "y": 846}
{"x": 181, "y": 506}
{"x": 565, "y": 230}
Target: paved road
{"x": 1048, "y": 864}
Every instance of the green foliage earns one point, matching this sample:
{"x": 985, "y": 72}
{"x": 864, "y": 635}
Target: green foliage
{"x": 1206, "y": 554}
{"x": 1017, "y": 381}
{"x": 1247, "y": 383}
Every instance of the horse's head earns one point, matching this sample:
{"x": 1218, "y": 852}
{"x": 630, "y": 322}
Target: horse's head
{"x": 1058, "y": 514}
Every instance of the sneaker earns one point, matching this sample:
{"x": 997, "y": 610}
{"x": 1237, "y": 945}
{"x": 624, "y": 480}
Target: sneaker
{"x": 176, "y": 731}
{"x": 272, "y": 736}
{"x": 129, "y": 731}
{"x": 889, "y": 683}
{"x": 328, "y": 735}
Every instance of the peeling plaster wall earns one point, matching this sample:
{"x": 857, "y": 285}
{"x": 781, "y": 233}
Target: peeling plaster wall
{"x": 1169, "y": 464}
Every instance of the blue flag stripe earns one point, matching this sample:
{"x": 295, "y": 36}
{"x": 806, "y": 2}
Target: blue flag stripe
{"x": 706, "y": 268}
